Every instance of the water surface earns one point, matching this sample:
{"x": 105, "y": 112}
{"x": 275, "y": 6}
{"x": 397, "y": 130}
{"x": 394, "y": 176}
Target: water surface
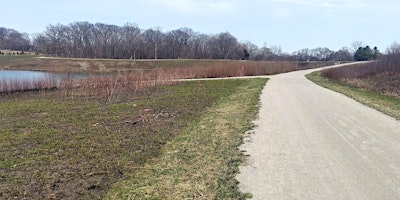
{"x": 11, "y": 81}
{"x": 11, "y": 75}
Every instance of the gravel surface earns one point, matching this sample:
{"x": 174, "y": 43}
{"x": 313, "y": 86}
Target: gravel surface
{"x": 313, "y": 143}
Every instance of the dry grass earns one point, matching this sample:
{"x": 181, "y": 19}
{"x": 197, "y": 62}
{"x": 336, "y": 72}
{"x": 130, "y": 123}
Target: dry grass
{"x": 113, "y": 87}
{"x": 88, "y": 134}
{"x": 202, "y": 161}
{"x": 230, "y": 67}
{"x": 127, "y": 76}
{"x": 57, "y": 147}
{"x": 240, "y": 68}
{"x": 382, "y": 76}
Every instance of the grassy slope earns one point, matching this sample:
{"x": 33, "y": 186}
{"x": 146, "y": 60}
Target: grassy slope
{"x": 28, "y": 62}
{"x": 202, "y": 161}
{"x": 33, "y": 62}
{"x": 58, "y": 147}
{"x": 181, "y": 66}
{"x": 386, "y": 104}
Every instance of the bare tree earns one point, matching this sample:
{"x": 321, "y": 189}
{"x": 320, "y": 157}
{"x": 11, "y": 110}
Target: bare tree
{"x": 57, "y": 42}
{"x": 131, "y": 36}
{"x": 394, "y": 49}
{"x": 83, "y": 39}
{"x": 82, "y": 36}
{"x": 356, "y": 45}
{"x": 105, "y": 38}
{"x": 321, "y": 54}
{"x": 343, "y": 54}
{"x": 251, "y": 48}
{"x": 14, "y": 40}
{"x": 153, "y": 36}
{"x": 303, "y": 54}
{"x": 178, "y": 41}
{"x": 200, "y": 46}
{"x": 223, "y": 46}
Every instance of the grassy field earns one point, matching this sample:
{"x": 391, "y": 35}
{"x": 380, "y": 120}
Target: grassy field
{"x": 163, "y": 142}
{"x": 202, "y": 162}
{"x": 387, "y": 104}
{"x": 136, "y": 133}
{"x": 176, "y": 68}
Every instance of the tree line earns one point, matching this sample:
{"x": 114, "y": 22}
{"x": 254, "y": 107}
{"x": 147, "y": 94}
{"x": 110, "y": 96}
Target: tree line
{"x": 84, "y": 39}
{"x": 14, "y": 40}
{"x": 99, "y": 40}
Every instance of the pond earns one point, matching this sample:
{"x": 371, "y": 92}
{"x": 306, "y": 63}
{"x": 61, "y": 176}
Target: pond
{"x": 11, "y": 81}
{"x": 30, "y": 80}
{"x": 9, "y": 75}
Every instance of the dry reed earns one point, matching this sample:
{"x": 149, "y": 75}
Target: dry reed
{"x": 113, "y": 87}
{"x": 382, "y": 76}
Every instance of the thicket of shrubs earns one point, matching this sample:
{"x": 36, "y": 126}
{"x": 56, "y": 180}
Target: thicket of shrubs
{"x": 389, "y": 64}
{"x": 381, "y": 76}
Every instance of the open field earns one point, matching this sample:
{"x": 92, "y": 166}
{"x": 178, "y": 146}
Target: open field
{"x": 179, "y": 68}
{"x": 381, "y": 76}
{"x": 135, "y": 133}
{"x": 55, "y": 145}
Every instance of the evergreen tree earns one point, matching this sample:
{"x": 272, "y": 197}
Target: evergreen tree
{"x": 375, "y": 53}
{"x": 358, "y": 56}
{"x": 246, "y": 54}
{"x": 366, "y": 53}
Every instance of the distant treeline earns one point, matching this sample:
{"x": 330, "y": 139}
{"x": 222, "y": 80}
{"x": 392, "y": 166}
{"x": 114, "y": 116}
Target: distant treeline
{"x": 14, "y": 40}
{"x": 87, "y": 40}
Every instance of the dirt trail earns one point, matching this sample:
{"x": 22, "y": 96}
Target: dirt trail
{"x": 312, "y": 143}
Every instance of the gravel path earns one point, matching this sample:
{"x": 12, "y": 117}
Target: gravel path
{"x": 312, "y": 143}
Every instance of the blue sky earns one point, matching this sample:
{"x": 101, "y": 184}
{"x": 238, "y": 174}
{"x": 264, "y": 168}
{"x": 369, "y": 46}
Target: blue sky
{"x": 291, "y": 24}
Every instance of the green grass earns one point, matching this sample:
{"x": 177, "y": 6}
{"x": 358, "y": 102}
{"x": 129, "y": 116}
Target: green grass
{"x": 53, "y": 146}
{"x": 9, "y": 58}
{"x": 8, "y": 61}
{"x": 386, "y": 104}
{"x": 202, "y": 161}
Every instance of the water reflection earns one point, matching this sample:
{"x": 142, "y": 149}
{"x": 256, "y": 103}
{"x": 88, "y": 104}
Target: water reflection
{"x": 30, "y": 80}
{"x": 8, "y": 75}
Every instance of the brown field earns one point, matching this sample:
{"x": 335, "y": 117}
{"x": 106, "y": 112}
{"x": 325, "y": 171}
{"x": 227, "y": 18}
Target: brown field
{"x": 188, "y": 67}
{"x": 382, "y": 76}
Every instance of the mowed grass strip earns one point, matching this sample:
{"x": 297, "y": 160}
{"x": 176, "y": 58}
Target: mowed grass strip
{"x": 202, "y": 161}
{"x": 386, "y": 104}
